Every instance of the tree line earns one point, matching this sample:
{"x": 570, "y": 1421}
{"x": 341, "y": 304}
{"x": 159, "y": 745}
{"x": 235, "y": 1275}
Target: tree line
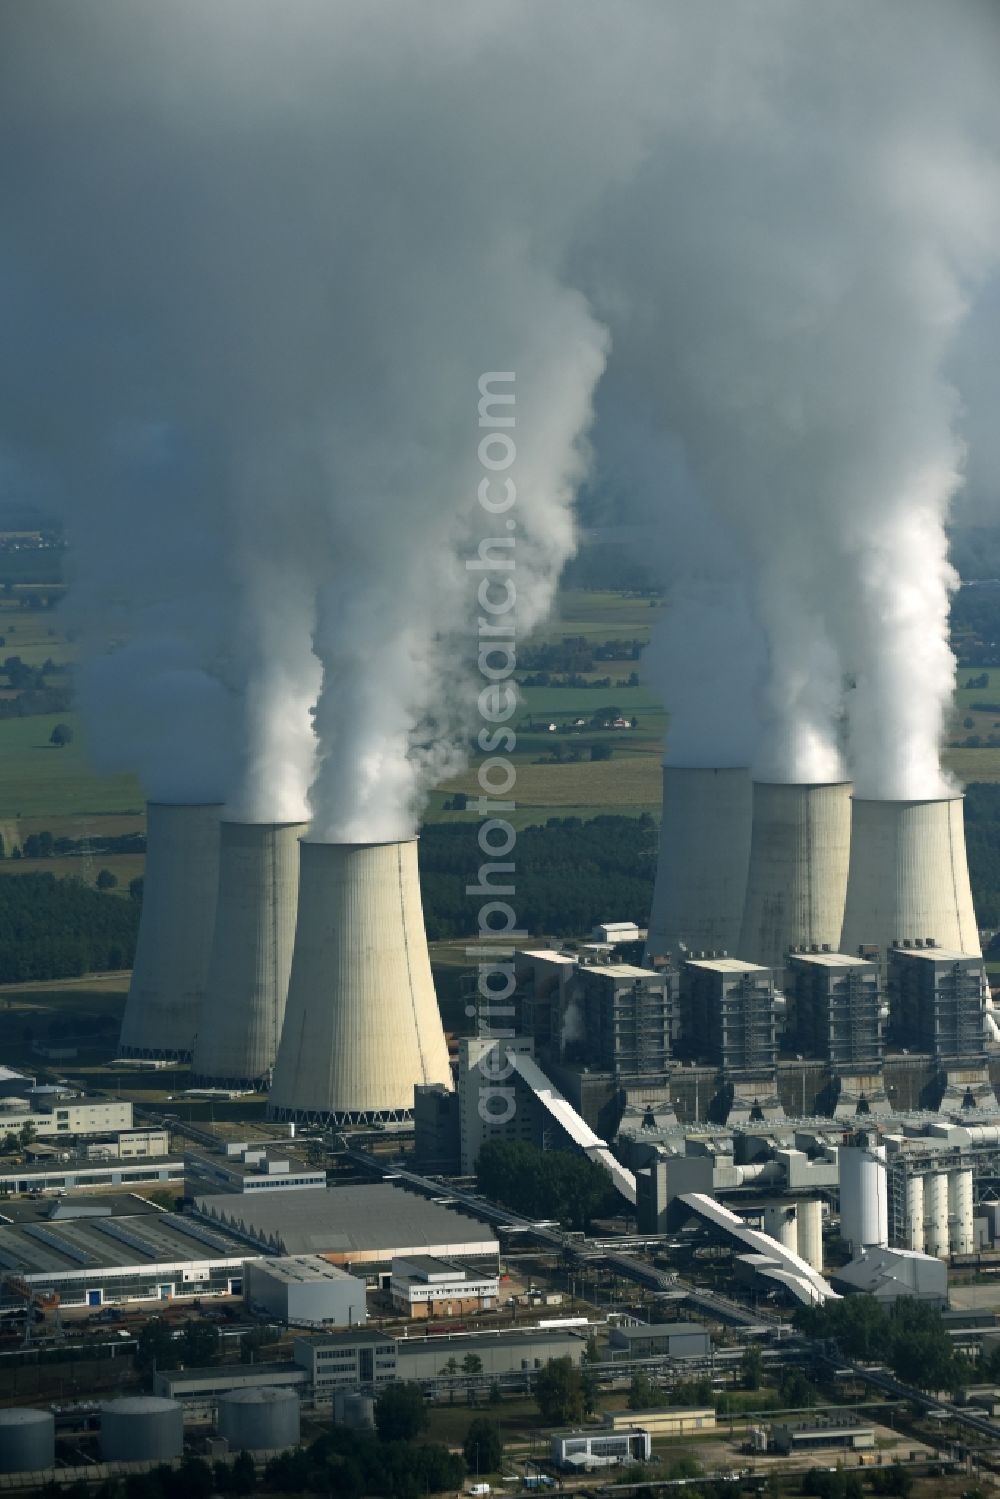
{"x": 569, "y": 874}
{"x": 545, "y": 1183}
{"x": 60, "y": 928}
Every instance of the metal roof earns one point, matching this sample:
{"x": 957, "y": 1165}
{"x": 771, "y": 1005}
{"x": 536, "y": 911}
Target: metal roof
{"x": 78, "y": 1245}
{"x": 299, "y": 1269}
{"x": 377, "y": 1216}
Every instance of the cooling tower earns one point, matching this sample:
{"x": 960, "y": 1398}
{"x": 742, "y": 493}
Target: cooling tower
{"x": 362, "y": 1026}
{"x": 701, "y": 872}
{"x": 909, "y": 876}
{"x": 797, "y": 879}
{"x": 175, "y": 932}
{"x": 244, "y": 1005}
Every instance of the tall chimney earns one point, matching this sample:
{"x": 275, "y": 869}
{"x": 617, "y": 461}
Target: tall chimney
{"x": 175, "y": 932}
{"x": 240, "y": 1022}
{"x": 701, "y": 870}
{"x": 362, "y": 1025}
{"x": 797, "y": 880}
{"x": 909, "y": 876}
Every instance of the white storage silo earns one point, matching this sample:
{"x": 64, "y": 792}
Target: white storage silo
{"x": 781, "y": 1223}
{"x": 936, "y": 1214}
{"x": 701, "y": 869}
{"x": 362, "y": 1025}
{"x": 864, "y": 1201}
{"x": 810, "y": 1236}
{"x": 175, "y": 930}
{"x": 797, "y": 878}
{"x": 141, "y": 1428}
{"x": 961, "y": 1233}
{"x": 27, "y": 1441}
{"x": 264, "y": 1419}
{"x": 240, "y": 1023}
{"x": 909, "y": 876}
{"x": 915, "y": 1214}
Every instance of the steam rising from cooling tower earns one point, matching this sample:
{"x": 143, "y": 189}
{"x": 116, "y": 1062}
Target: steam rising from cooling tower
{"x": 792, "y": 329}
{"x": 362, "y": 1027}
{"x": 909, "y": 876}
{"x": 701, "y": 873}
{"x": 314, "y": 393}
{"x": 175, "y": 934}
{"x": 797, "y": 878}
{"x": 240, "y": 1021}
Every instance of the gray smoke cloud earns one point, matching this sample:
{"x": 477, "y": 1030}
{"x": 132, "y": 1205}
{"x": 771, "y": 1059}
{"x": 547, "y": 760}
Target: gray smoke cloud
{"x": 296, "y": 237}
{"x": 289, "y": 240}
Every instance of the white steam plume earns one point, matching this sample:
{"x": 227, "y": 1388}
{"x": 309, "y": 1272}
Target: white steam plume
{"x": 785, "y": 279}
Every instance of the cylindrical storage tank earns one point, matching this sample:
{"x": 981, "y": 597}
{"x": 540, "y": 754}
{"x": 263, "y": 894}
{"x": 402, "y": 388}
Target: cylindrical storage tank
{"x": 262, "y": 1419}
{"x": 864, "y": 1202}
{"x": 362, "y": 1024}
{"x": 701, "y": 870}
{"x": 909, "y": 876}
{"x": 141, "y": 1428}
{"x": 27, "y": 1441}
{"x": 240, "y": 1023}
{"x": 961, "y": 1233}
{"x": 781, "y": 1223}
{"x": 915, "y": 1214}
{"x": 175, "y": 931}
{"x": 810, "y": 1245}
{"x": 351, "y": 1408}
{"x": 936, "y": 1215}
{"x": 800, "y": 848}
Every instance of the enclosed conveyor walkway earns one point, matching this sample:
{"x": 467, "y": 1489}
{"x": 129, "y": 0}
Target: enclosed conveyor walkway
{"x": 579, "y": 1131}
{"x": 768, "y": 1257}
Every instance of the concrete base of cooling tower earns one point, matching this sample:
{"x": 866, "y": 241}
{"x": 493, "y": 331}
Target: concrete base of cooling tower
{"x": 336, "y": 1119}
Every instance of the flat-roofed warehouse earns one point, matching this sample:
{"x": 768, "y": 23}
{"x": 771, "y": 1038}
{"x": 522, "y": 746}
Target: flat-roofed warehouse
{"x": 93, "y": 1257}
{"x": 368, "y": 1225}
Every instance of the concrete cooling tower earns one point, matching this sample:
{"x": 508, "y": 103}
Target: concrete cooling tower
{"x": 909, "y": 876}
{"x": 362, "y": 1025}
{"x": 797, "y": 880}
{"x": 240, "y": 1023}
{"x": 701, "y": 871}
{"x": 175, "y": 932}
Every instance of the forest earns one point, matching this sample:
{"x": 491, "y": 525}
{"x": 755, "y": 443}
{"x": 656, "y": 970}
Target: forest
{"x": 982, "y": 836}
{"x": 57, "y": 928}
{"x": 568, "y": 874}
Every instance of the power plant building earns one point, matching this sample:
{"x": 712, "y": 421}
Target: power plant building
{"x": 701, "y": 872}
{"x": 305, "y": 1288}
{"x": 797, "y": 878}
{"x": 909, "y": 877}
{"x": 729, "y": 1016}
{"x": 837, "y": 1003}
{"x": 175, "y": 932}
{"x": 362, "y": 1027}
{"x": 239, "y": 1026}
{"x": 936, "y": 1000}
{"x": 623, "y": 1018}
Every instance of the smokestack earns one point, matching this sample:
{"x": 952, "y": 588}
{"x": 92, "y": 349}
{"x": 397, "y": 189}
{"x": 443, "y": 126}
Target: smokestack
{"x": 701, "y": 871}
{"x": 175, "y": 933}
{"x": 909, "y": 876}
{"x": 240, "y": 1023}
{"x": 797, "y": 880}
{"x": 362, "y": 1026}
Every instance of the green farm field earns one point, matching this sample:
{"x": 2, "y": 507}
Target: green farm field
{"x": 47, "y": 788}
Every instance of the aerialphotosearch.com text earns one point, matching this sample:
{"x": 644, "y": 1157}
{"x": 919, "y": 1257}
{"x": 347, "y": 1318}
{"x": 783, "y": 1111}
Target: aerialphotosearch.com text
{"x": 496, "y": 596}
